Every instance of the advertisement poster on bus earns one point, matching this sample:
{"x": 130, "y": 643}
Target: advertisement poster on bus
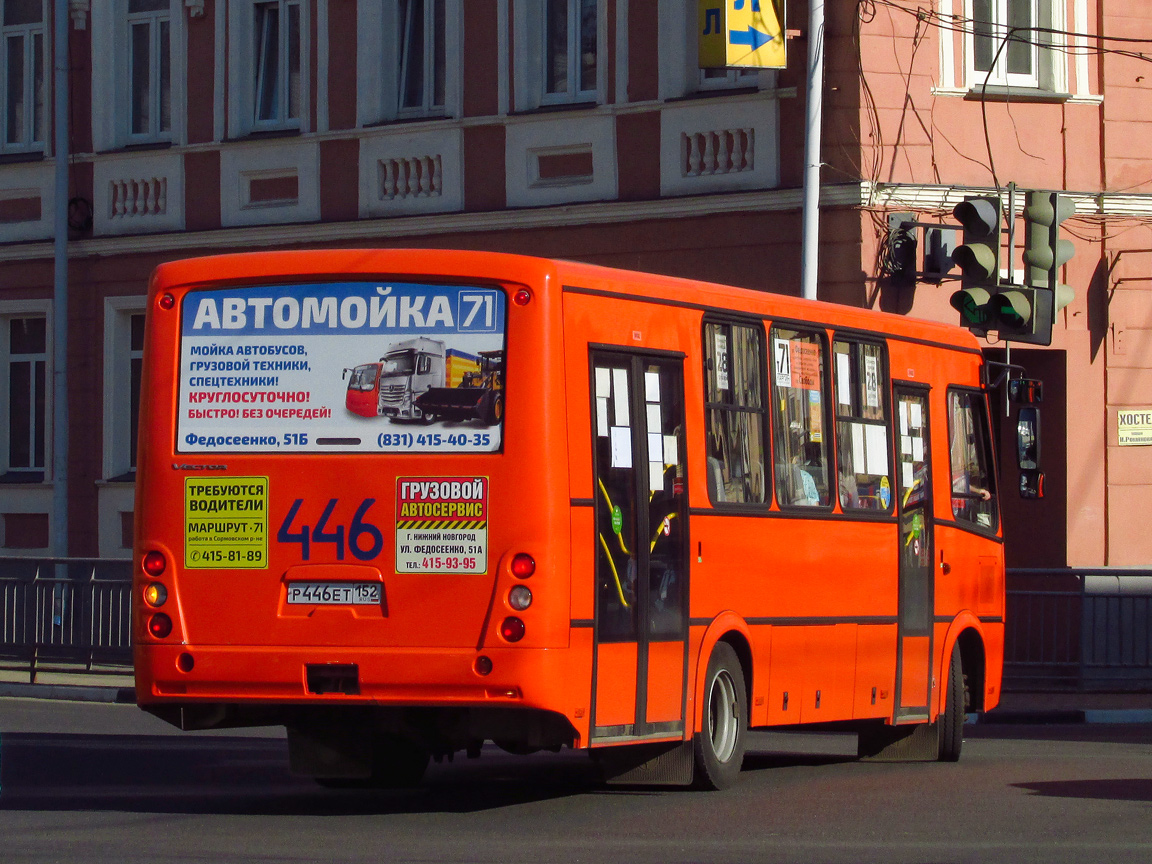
{"x": 342, "y": 367}
{"x": 441, "y": 524}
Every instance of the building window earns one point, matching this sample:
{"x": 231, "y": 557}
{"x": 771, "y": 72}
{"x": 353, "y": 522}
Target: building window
{"x": 149, "y": 69}
{"x": 735, "y": 412}
{"x": 994, "y": 21}
{"x": 123, "y": 367}
{"x": 862, "y": 426}
{"x": 26, "y": 380}
{"x": 801, "y": 447}
{"x": 570, "y": 51}
{"x": 970, "y": 456}
{"x": 422, "y": 55}
{"x": 276, "y": 53}
{"x": 22, "y": 62}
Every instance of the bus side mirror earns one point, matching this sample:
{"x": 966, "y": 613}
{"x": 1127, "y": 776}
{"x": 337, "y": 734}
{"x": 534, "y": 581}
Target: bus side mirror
{"x": 1028, "y": 453}
{"x": 1031, "y": 484}
{"x": 1028, "y": 439}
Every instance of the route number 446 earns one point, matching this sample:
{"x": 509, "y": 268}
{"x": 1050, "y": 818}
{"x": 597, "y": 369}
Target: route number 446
{"x": 363, "y": 539}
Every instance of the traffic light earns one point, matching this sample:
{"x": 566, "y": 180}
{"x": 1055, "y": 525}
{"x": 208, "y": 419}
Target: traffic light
{"x": 1045, "y": 251}
{"x": 1024, "y": 314}
{"x": 978, "y": 258}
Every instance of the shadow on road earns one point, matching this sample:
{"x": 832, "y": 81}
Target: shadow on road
{"x": 1107, "y": 790}
{"x": 163, "y": 774}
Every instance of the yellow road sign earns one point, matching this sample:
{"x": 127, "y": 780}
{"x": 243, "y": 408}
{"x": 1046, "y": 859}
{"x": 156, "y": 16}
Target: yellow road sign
{"x": 741, "y": 34}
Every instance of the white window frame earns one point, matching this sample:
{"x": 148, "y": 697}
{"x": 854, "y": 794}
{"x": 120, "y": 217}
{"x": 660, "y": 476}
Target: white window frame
{"x": 118, "y": 409}
{"x": 530, "y": 41}
{"x": 378, "y": 59}
{"x": 574, "y": 92}
{"x": 242, "y": 66}
{"x": 1048, "y": 67}
{"x": 429, "y": 106}
{"x": 10, "y": 310}
{"x": 112, "y": 80}
{"x": 34, "y": 138}
{"x": 154, "y": 21}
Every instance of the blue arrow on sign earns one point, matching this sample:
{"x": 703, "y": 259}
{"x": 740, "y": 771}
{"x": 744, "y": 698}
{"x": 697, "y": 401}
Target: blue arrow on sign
{"x": 752, "y": 37}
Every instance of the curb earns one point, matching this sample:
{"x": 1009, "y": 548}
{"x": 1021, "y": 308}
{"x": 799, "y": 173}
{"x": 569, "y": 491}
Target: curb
{"x": 1067, "y": 716}
{"x": 71, "y": 692}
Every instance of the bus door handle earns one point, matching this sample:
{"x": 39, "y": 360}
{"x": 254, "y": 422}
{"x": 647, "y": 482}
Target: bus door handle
{"x": 945, "y": 567}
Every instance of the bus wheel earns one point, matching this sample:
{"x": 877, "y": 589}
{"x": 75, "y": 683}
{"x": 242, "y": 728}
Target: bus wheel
{"x": 719, "y": 745}
{"x": 951, "y": 720}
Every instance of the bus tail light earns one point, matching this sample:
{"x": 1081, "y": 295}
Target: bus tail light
{"x": 154, "y": 563}
{"x": 155, "y": 594}
{"x": 523, "y": 565}
{"x": 159, "y": 625}
{"x": 522, "y": 297}
{"x": 512, "y": 629}
{"x": 520, "y": 598}
{"x": 167, "y": 301}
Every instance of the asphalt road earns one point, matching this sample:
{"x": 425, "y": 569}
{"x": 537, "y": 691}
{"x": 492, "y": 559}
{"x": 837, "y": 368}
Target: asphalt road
{"x": 84, "y": 782}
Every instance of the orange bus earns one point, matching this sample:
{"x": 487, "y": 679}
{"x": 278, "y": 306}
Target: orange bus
{"x": 700, "y": 509}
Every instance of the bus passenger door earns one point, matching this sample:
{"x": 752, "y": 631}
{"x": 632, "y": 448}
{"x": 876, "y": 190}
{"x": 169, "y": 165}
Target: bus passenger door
{"x": 641, "y": 627}
{"x": 915, "y": 612}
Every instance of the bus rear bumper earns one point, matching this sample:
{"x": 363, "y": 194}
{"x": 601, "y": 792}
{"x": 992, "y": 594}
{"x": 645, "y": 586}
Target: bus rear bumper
{"x": 262, "y": 685}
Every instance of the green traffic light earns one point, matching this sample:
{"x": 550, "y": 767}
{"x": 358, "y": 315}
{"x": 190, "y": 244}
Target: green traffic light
{"x": 972, "y": 304}
{"x": 1014, "y": 309}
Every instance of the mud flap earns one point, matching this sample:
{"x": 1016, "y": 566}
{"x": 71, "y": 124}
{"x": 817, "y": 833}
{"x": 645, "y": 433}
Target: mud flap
{"x": 662, "y": 764}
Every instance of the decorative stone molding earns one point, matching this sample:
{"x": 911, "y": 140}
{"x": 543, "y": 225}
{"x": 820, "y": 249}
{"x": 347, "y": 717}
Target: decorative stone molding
{"x": 138, "y": 194}
{"x": 195, "y": 8}
{"x": 719, "y": 145}
{"x": 410, "y": 177}
{"x": 721, "y": 151}
{"x": 405, "y": 173}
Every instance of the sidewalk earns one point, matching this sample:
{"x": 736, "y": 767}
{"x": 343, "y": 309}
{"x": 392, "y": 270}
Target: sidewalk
{"x": 1070, "y": 707}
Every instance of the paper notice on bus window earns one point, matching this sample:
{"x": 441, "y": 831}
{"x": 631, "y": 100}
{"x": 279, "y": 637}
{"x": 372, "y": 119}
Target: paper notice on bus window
{"x": 621, "y": 447}
{"x": 653, "y": 418}
{"x": 671, "y": 450}
{"x": 906, "y": 475}
{"x": 601, "y": 416}
{"x": 620, "y": 397}
{"x": 720, "y": 343}
{"x": 915, "y": 415}
{"x": 652, "y": 387}
{"x": 858, "y": 458}
{"x": 871, "y": 381}
{"x": 364, "y": 367}
{"x": 656, "y": 476}
{"x": 603, "y": 383}
{"x": 903, "y": 418}
{"x": 918, "y": 449}
{"x": 876, "y": 442}
{"x": 843, "y": 380}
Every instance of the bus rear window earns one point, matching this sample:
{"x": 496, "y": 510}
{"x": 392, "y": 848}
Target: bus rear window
{"x": 342, "y": 367}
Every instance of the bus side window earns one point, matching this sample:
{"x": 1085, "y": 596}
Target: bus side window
{"x": 735, "y": 413}
{"x": 801, "y": 448}
{"x": 862, "y": 449}
{"x": 970, "y": 455}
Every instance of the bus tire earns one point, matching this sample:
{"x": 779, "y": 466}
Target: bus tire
{"x": 719, "y": 744}
{"x": 951, "y": 719}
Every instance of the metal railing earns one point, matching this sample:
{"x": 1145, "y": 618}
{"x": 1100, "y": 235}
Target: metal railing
{"x": 1082, "y": 629}
{"x": 65, "y": 614}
